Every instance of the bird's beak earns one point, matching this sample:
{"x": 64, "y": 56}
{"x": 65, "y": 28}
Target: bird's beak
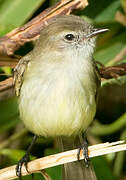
{"x": 96, "y": 31}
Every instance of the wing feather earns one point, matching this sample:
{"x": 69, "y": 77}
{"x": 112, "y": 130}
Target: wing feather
{"x": 19, "y": 73}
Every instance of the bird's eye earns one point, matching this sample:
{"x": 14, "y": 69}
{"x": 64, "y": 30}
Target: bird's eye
{"x": 69, "y": 37}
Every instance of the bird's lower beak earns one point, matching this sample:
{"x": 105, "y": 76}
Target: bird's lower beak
{"x": 95, "y": 32}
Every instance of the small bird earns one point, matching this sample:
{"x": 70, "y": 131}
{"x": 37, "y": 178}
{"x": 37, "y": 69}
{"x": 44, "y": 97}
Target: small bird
{"x": 57, "y": 84}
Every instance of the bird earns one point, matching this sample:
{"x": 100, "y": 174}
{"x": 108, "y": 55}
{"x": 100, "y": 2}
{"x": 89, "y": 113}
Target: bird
{"x": 57, "y": 84}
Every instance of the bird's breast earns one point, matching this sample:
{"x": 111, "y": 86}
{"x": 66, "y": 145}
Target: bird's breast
{"x": 57, "y": 104}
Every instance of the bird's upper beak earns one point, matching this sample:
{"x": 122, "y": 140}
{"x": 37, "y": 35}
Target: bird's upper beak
{"x": 96, "y": 31}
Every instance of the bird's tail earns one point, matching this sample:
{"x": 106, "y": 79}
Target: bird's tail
{"x": 75, "y": 170}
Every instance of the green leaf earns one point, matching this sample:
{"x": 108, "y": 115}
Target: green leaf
{"x": 111, "y": 49}
{"x": 101, "y": 11}
{"x": 13, "y": 154}
{"x": 108, "y": 13}
{"x": 102, "y": 169}
{"x": 7, "y": 70}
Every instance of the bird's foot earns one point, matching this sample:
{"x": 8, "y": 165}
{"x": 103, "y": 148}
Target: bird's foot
{"x": 84, "y": 148}
{"x": 24, "y": 160}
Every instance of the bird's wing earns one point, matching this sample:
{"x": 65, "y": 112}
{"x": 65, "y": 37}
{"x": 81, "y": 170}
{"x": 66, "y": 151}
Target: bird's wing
{"x": 19, "y": 73}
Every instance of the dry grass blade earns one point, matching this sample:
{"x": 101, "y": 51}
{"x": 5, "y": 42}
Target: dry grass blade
{"x": 62, "y": 158}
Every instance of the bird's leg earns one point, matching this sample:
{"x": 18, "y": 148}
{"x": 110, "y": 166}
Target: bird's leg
{"x": 25, "y": 159}
{"x": 84, "y": 148}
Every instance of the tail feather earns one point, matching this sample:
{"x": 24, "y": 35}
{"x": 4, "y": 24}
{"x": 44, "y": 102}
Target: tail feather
{"x": 75, "y": 170}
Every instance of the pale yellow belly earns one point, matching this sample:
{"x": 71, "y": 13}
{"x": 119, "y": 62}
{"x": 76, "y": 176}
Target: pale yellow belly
{"x": 56, "y": 111}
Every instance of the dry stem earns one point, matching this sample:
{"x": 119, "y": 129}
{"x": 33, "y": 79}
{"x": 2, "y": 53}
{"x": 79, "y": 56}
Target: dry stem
{"x": 31, "y": 31}
{"x": 62, "y": 158}
{"x": 113, "y": 71}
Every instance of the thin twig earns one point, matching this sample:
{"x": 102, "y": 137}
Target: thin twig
{"x": 119, "y": 17}
{"x": 62, "y": 158}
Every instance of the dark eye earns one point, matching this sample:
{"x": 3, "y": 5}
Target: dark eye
{"x": 69, "y": 37}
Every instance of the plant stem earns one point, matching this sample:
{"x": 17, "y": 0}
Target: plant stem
{"x": 101, "y": 130}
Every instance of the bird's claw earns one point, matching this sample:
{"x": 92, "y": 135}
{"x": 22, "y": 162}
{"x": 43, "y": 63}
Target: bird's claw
{"x": 84, "y": 148}
{"x": 24, "y": 160}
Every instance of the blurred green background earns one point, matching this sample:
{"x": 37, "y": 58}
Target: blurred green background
{"x": 110, "y": 120}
